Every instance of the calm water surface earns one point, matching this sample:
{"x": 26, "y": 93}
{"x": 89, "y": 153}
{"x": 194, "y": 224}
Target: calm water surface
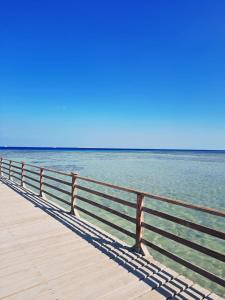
{"x": 196, "y": 177}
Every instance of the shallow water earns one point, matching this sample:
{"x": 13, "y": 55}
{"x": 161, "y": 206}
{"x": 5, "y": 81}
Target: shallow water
{"x": 196, "y": 177}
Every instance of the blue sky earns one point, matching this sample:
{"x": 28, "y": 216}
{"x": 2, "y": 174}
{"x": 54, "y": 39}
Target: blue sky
{"x": 145, "y": 74}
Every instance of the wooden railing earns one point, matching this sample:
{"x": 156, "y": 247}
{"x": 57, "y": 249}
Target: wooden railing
{"x": 19, "y": 170}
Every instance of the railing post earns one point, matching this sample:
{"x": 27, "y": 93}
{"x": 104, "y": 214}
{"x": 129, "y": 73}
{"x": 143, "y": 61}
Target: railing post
{"x": 22, "y": 173}
{"x": 10, "y": 166}
{"x": 139, "y": 247}
{"x": 41, "y": 181}
{"x": 73, "y": 211}
{"x": 1, "y": 166}
{"x": 139, "y": 220}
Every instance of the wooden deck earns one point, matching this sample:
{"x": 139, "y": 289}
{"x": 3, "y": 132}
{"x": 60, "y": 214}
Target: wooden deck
{"x": 46, "y": 253}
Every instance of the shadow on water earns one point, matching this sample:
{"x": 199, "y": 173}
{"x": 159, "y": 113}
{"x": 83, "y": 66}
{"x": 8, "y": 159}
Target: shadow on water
{"x": 167, "y": 282}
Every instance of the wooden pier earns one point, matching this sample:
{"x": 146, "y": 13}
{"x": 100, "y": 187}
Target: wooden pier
{"x": 49, "y": 253}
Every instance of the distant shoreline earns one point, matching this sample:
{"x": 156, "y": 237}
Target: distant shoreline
{"x": 107, "y": 149}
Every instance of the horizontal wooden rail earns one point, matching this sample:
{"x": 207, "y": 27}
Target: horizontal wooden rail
{"x": 186, "y": 263}
{"x": 57, "y": 188}
{"x": 32, "y": 172}
{"x": 31, "y": 178}
{"x": 16, "y": 167}
{"x": 117, "y": 187}
{"x": 58, "y": 172}
{"x": 185, "y": 242}
{"x": 56, "y": 197}
{"x": 156, "y": 197}
{"x": 5, "y": 168}
{"x": 187, "y": 205}
{"x": 210, "y": 231}
{"x": 13, "y": 171}
{"x": 50, "y": 170}
{"x": 109, "y": 197}
{"x": 15, "y": 177}
{"x": 33, "y": 166}
{"x": 112, "y": 211}
{"x": 57, "y": 179}
{"x": 28, "y": 183}
{"x": 37, "y": 167}
{"x": 105, "y": 221}
{"x": 17, "y": 162}
{"x": 125, "y": 189}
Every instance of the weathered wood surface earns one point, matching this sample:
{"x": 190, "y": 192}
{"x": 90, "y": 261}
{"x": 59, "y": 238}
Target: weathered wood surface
{"x": 46, "y": 253}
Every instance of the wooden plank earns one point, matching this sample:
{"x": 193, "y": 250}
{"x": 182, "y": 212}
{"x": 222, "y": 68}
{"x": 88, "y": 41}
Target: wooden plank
{"x": 106, "y": 222}
{"x": 185, "y": 242}
{"x": 56, "y": 188}
{"x": 186, "y": 263}
{"x": 112, "y": 211}
{"x": 115, "y": 199}
{"x": 56, "y": 179}
{"x": 210, "y": 231}
{"x": 56, "y": 197}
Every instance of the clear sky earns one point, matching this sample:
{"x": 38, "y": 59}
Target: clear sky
{"x": 113, "y": 73}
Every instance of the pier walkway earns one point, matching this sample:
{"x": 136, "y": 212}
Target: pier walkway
{"x": 46, "y": 253}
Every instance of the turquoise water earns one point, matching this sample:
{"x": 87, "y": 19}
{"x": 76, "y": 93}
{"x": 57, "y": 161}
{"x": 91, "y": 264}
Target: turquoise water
{"x": 195, "y": 177}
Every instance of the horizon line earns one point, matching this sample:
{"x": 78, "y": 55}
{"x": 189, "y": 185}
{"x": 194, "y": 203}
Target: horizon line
{"x": 102, "y": 148}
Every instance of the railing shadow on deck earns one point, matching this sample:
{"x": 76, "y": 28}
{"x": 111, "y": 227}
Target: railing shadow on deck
{"x": 144, "y": 268}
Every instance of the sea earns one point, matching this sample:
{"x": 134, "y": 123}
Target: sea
{"x": 194, "y": 176}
